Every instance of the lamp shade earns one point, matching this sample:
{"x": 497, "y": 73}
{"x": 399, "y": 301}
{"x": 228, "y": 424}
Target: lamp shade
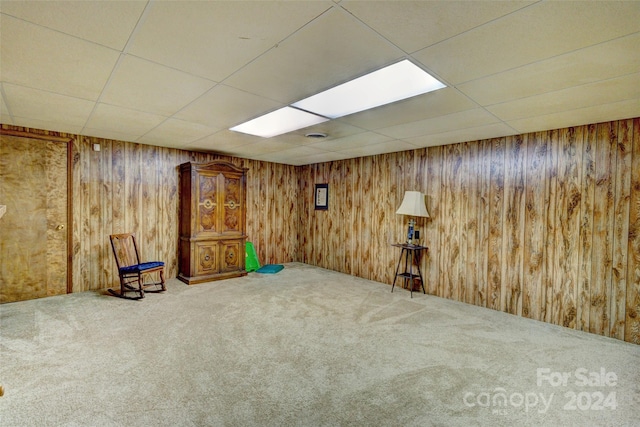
{"x": 413, "y": 204}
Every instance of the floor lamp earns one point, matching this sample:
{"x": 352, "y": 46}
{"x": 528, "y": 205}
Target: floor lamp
{"x": 413, "y": 205}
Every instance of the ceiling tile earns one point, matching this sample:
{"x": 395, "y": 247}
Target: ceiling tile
{"x": 173, "y": 133}
{"x": 108, "y": 23}
{"x": 29, "y": 122}
{"x": 493, "y": 130}
{"x": 193, "y": 69}
{"x": 5, "y": 117}
{"x": 333, "y": 128}
{"x": 113, "y": 134}
{"x": 318, "y": 158}
{"x": 216, "y": 37}
{"x": 350, "y": 142}
{"x": 265, "y": 147}
{"x": 223, "y": 141}
{"x": 579, "y": 116}
{"x": 333, "y": 49}
{"x": 336, "y": 155}
{"x": 123, "y": 120}
{"x": 46, "y": 106}
{"x": 290, "y": 155}
{"x": 145, "y": 86}
{"x": 36, "y": 57}
{"x": 468, "y": 118}
{"x": 225, "y": 107}
{"x": 433, "y": 104}
{"x": 602, "y": 92}
{"x": 414, "y": 25}
{"x": 537, "y": 32}
{"x": 380, "y": 148}
{"x": 572, "y": 69}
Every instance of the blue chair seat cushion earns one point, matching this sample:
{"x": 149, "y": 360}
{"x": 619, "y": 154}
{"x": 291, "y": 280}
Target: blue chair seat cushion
{"x": 137, "y": 268}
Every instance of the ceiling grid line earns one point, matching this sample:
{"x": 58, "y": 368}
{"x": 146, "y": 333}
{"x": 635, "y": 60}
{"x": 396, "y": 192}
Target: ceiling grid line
{"x": 180, "y": 74}
{"x": 121, "y": 57}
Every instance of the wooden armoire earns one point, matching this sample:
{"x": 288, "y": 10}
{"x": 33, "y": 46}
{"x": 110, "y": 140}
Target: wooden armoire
{"x": 212, "y": 221}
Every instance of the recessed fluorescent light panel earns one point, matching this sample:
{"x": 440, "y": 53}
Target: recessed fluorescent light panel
{"x": 278, "y": 122}
{"x": 393, "y": 83}
{"x": 399, "y": 81}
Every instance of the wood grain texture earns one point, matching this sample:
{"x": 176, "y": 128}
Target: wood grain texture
{"x": 380, "y": 213}
{"x": 367, "y": 217}
{"x": 304, "y": 200}
{"x": 432, "y": 236}
{"x": 622, "y": 198}
{"x": 543, "y": 225}
{"x": 535, "y": 222}
{"x": 531, "y": 224}
{"x": 468, "y": 227}
{"x": 513, "y": 225}
{"x": 601, "y": 262}
{"x": 551, "y": 175}
{"x": 495, "y": 220}
{"x": 107, "y": 270}
{"x": 76, "y": 214}
{"x": 347, "y": 195}
{"x": 450, "y": 253}
{"x": 95, "y": 216}
{"x": 567, "y": 236}
{"x": 133, "y": 187}
{"x": 632, "y": 311}
{"x": 587, "y": 191}
{"x": 483, "y": 204}
{"x": 33, "y": 249}
{"x": 55, "y": 199}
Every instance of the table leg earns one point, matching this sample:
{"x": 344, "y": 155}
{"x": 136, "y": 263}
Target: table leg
{"x": 406, "y": 262}
{"x": 413, "y": 256}
{"x": 397, "y": 268}
{"x": 417, "y": 260}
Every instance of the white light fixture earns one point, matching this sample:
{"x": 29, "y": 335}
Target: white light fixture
{"x": 278, "y": 122}
{"x": 399, "y": 81}
{"x": 393, "y": 83}
{"x": 412, "y": 205}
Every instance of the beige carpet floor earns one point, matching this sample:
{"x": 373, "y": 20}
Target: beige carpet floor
{"x": 303, "y": 347}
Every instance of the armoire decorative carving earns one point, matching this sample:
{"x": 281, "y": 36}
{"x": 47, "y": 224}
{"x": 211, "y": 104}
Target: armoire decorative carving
{"x": 212, "y": 221}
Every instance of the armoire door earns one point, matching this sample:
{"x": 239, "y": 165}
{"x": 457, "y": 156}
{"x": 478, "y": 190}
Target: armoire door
{"x": 33, "y": 231}
{"x": 232, "y": 209}
{"x": 207, "y": 210}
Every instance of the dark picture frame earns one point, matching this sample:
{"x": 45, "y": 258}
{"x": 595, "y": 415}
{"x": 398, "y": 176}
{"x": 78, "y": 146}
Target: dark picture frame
{"x": 321, "y": 197}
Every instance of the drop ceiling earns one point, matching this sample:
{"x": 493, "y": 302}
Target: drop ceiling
{"x": 180, "y": 73}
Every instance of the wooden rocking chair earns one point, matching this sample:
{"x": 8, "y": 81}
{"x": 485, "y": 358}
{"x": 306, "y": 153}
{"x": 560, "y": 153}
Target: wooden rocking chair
{"x": 131, "y": 270}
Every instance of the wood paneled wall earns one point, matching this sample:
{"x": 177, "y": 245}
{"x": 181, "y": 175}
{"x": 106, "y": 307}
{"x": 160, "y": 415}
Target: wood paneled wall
{"x": 134, "y": 187}
{"x": 128, "y": 187}
{"x": 544, "y": 225}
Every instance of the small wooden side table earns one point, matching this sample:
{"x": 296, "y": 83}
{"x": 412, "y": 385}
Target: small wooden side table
{"x": 411, "y": 255}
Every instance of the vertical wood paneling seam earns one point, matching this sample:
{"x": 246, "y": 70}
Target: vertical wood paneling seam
{"x": 550, "y": 251}
{"x": 70, "y": 234}
{"x": 602, "y": 253}
{"x": 534, "y": 221}
{"x": 586, "y": 229}
{"x": 621, "y": 229}
{"x": 496, "y": 197}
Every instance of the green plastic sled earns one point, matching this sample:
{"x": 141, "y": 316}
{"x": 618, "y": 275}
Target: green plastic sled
{"x": 251, "y": 262}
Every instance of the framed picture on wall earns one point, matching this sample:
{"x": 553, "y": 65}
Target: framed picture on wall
{"x": 322, "y": 197}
